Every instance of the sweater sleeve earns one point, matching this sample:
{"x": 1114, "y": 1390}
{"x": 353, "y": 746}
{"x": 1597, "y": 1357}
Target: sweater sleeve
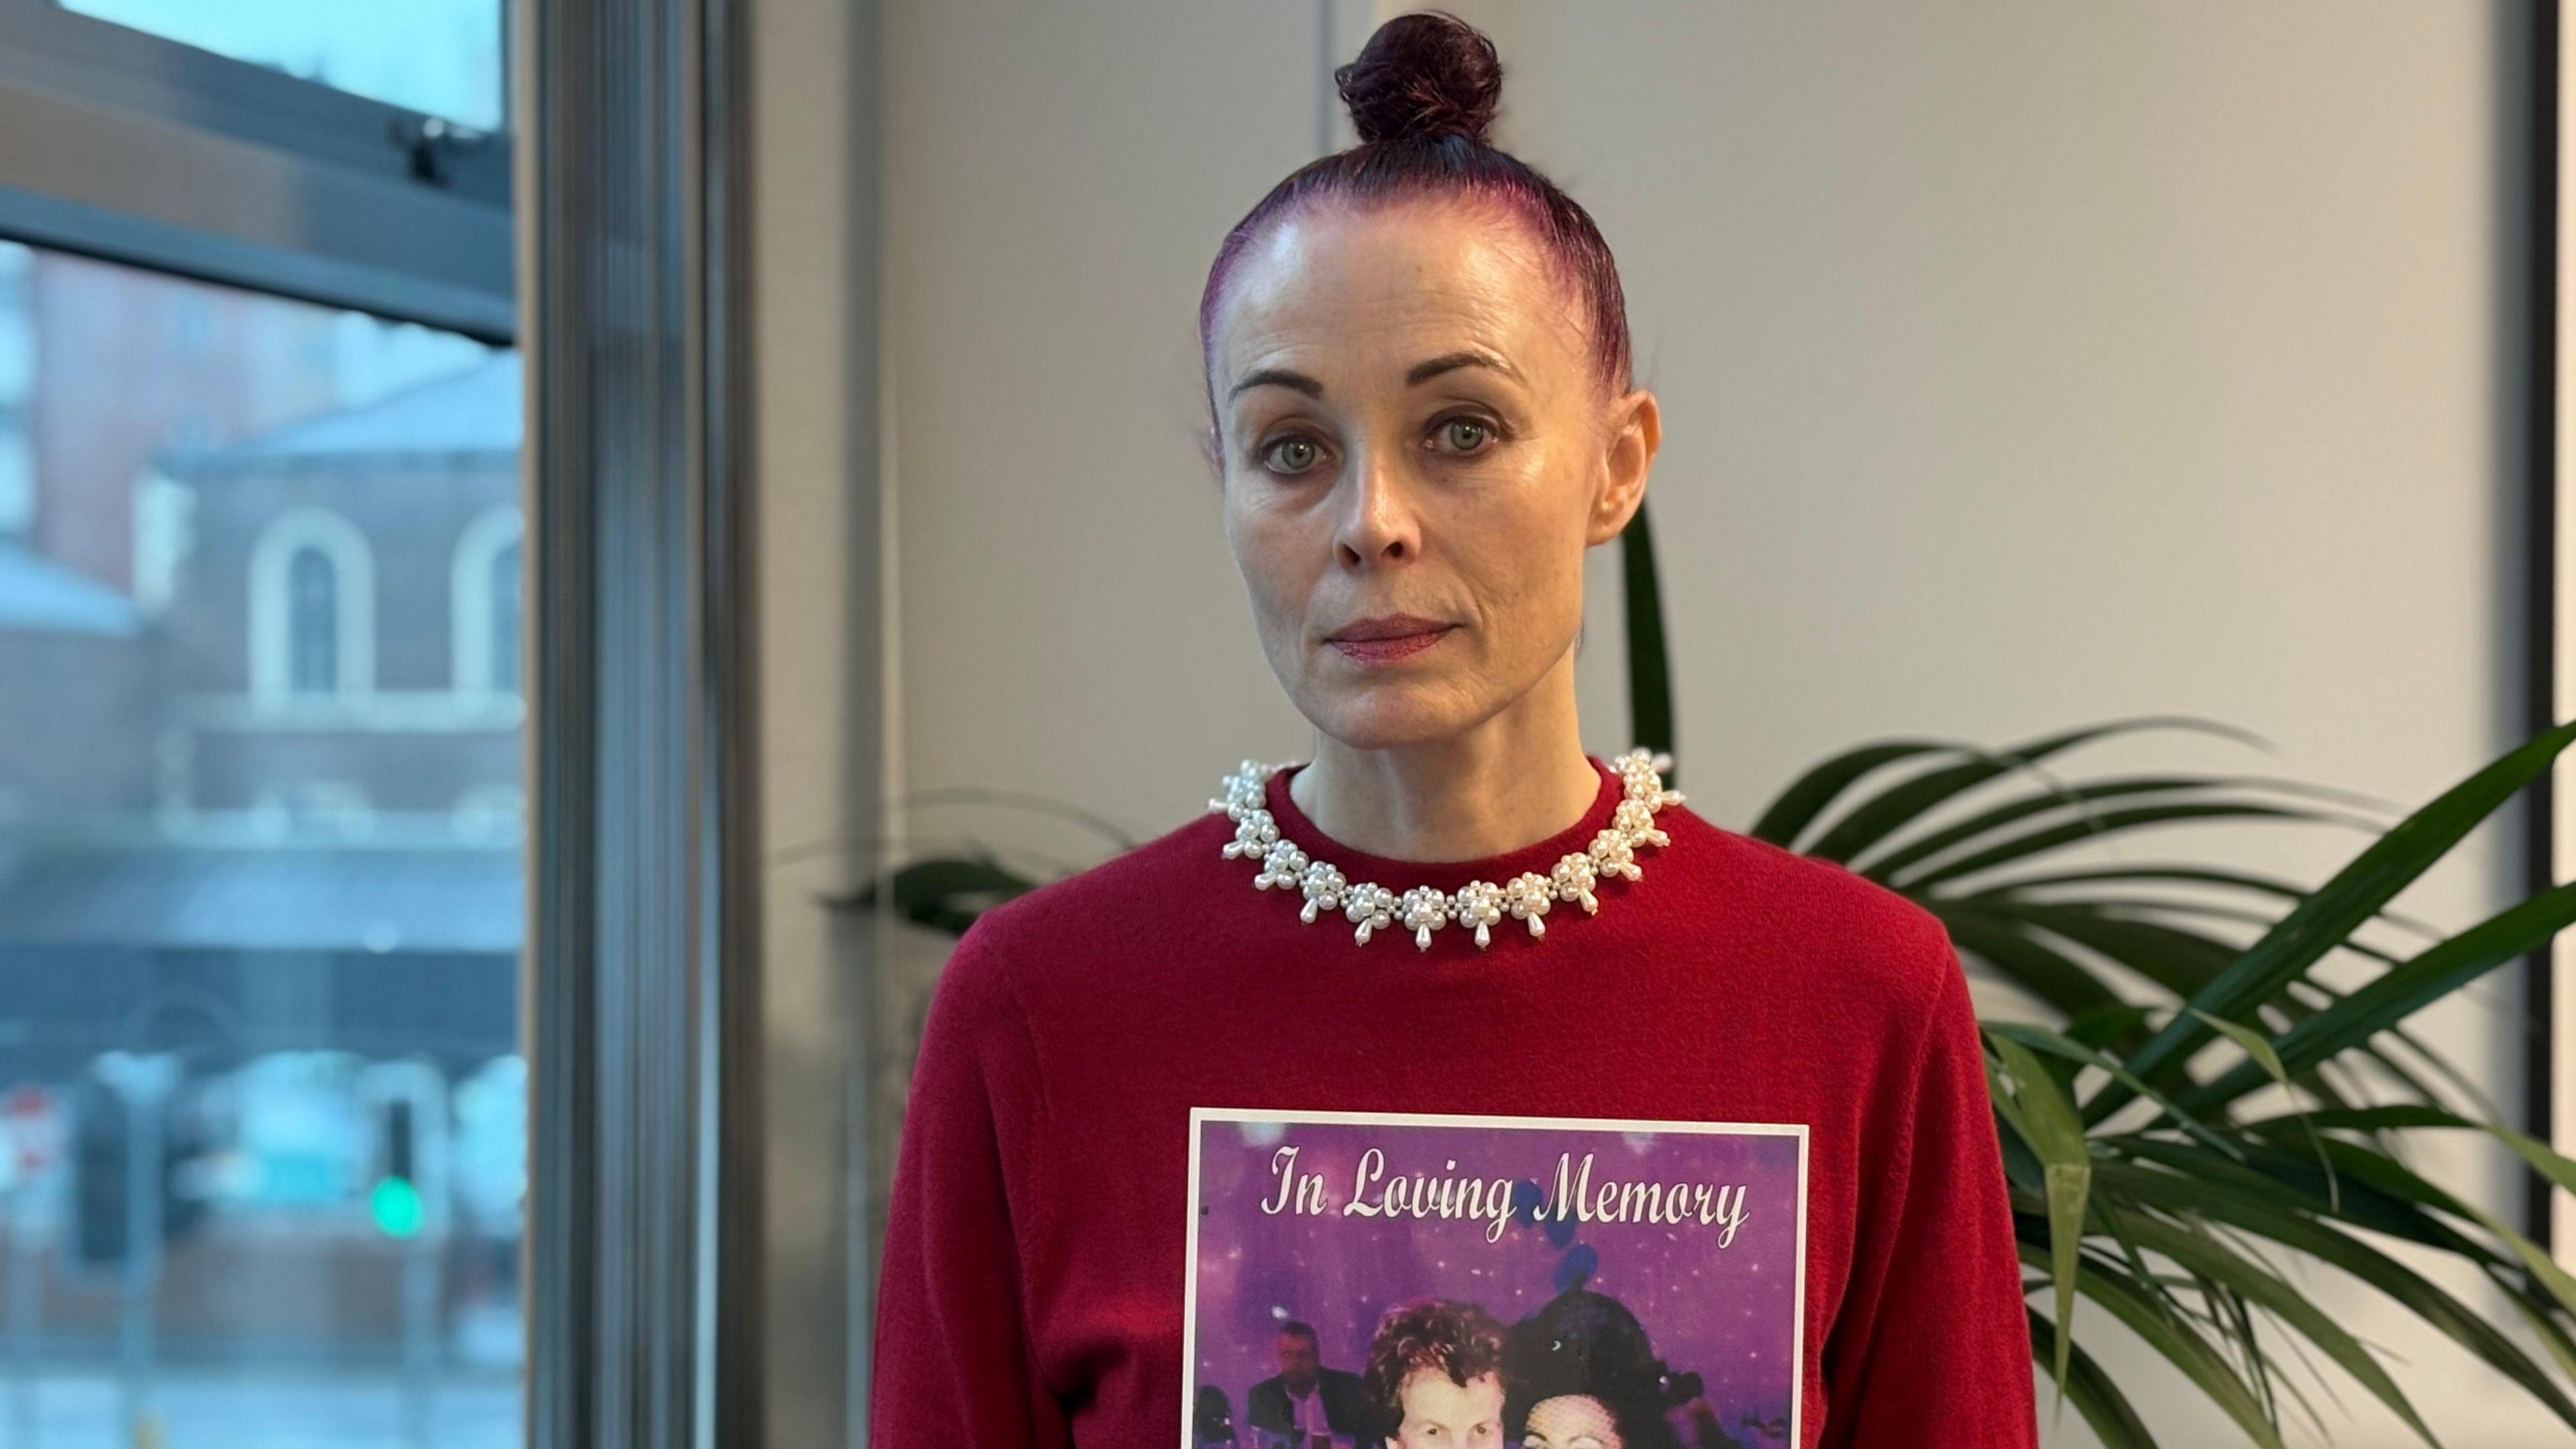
{"x": 953, "y": 1361}
{"x": 1932, "y": 1346}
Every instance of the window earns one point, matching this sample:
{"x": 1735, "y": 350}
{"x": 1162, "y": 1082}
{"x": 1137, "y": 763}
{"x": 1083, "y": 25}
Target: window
{"x": 442, "y": 57}
{"x": 483, "y": 594}
{"x": 260, "y": 874}
{"x": 505, "y": 621}
{"x": 313, "y": 622}
{"x": 352, "y": 154}
{"x": 241, "y": 910}
{"x": 312, "y": 594}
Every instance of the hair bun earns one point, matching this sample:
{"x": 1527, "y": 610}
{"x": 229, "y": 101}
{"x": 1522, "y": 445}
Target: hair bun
{"x": 1423, "y": 76}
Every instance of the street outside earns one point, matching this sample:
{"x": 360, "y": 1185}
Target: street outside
{"x": 259, "y": 1409}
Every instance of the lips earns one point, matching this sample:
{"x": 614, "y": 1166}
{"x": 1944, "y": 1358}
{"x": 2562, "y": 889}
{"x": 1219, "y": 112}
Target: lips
{"x": 1388, "y": 637}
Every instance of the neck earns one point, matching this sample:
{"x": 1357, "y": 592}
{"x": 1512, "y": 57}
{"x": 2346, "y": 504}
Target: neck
{"x": 1512, "y": 780}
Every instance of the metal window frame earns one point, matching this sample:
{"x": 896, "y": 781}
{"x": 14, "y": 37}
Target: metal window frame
{"x": 2548, "y": 587}
{"x": 644, "y": 1244}
{"x": 176, "y": 159}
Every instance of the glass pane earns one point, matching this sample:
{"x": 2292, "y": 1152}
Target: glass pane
{"x": 313, "y": 588}
{"x": 442, "y": 57}
{"x": 262, "y": 1113}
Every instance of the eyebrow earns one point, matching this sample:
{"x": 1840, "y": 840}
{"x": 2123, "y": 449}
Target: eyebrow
{"x": 1451, "y": 361}
{"x": 1418, "y": 374}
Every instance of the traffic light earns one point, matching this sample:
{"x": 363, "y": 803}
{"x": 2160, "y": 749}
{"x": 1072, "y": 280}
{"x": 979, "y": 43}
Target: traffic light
{"x": 183, "y": 1141}
{"x": 99, "y": 1125}
{"x": 102, "y": 1124}
{"x": 394, "y": 1202}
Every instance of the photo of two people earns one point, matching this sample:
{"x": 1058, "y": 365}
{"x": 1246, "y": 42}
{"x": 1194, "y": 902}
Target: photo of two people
{"x": 1368, "y": 1279}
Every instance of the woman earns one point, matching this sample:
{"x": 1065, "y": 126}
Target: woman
{"x": 1580, "y": 1374}
{"x": 1421, "y": 420}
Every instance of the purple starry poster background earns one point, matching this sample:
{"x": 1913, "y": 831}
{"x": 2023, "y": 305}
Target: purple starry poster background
{"x": 1730, "y": 1314}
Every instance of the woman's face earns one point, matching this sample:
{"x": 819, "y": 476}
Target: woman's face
{"x": 1570, "y": 1421}
{"x": 1408, "y": 423}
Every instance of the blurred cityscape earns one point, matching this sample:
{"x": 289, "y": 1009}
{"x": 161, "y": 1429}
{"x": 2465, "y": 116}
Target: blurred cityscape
{"x": 262, "y": 1113}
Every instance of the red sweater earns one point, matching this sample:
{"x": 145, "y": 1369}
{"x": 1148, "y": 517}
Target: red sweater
{"x": 1038, "y": 1249}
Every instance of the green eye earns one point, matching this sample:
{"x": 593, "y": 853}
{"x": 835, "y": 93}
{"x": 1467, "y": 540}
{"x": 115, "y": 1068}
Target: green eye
{"x": 1292, "y": 455}
{"x": 1465, "y": 435}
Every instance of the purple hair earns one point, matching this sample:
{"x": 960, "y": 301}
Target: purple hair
{"x": 1422, "y": 94}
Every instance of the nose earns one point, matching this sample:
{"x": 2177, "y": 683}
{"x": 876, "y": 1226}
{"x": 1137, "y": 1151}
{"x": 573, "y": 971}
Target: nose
{"x": 1377, "y": 521}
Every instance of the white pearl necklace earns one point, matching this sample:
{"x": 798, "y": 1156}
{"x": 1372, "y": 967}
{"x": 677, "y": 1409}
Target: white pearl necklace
{"x": 1478, "y": 904}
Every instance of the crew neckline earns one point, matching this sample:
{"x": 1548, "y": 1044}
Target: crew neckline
{"x": 1401, "y": 875}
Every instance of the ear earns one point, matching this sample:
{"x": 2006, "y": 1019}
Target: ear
{"x": 1636, "y": 430}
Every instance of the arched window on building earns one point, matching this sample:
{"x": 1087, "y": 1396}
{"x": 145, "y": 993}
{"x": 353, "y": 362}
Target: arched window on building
{"x": 485, "y": 602}
{"x": 312, "y": 623}
{"x": 505, "y": 620}
{"x": 312, "y": 608}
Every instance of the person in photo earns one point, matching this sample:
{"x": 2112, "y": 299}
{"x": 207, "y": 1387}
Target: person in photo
{"x": 1580, "y": 1373}
{"x": 1307, "y": 1403}
{"x": 1434, "y": 1376}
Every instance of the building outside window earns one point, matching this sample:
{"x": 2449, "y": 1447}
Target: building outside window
{"x": 263, "y": 1129}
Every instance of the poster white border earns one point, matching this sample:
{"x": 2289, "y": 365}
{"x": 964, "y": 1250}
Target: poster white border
{"x": 1200, "y": 1117}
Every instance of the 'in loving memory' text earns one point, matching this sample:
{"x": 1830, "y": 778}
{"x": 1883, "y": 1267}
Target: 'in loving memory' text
{"x": 1572, "y": 1195}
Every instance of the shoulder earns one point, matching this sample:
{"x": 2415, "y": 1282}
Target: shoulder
{"x": 1109, "y": 910}
{"x": 1873, "y": 938}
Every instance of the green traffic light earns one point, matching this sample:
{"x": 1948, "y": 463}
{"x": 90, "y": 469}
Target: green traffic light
{"x": 396, "y": 1206}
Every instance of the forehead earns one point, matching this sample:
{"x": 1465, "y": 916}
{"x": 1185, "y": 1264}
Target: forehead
{"x": 1395, "y": 283}
{"x": 1566, "y": 1416}
{"x": 1431, "y": 1394}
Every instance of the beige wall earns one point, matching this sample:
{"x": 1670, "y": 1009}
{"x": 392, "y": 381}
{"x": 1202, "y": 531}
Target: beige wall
{"x": 813, "y": 116}
{"x": 2023, "y": 365}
